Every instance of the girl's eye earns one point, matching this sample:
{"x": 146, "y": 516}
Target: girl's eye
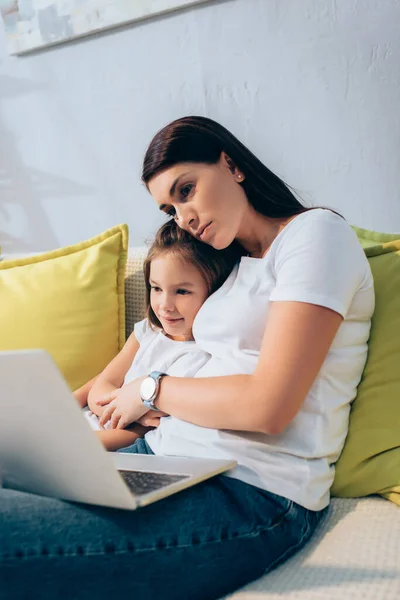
{"x": 182, "y": 292}
{"x": 154, "y": 288}
{"x": 186, "y": 189}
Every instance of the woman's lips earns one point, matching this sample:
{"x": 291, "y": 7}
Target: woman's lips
{"x": 204, "y": 231}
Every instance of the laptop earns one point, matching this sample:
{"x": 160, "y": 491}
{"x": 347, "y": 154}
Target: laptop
{"x": 47, "y": 447}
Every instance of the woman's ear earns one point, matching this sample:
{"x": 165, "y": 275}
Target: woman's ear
{"x": 229, "y": 164}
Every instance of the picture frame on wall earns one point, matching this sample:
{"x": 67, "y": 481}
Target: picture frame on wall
{"x": 35, "y": 24}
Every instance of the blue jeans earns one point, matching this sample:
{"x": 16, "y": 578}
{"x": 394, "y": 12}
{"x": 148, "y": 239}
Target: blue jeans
{"x": 198, "y": 544}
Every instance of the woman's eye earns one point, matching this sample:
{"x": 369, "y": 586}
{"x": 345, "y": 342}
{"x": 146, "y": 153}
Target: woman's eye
{"x": 182, "y": 292}
{"x": 154, "y": 288}
{"x": 171, "y": 212}
{"x": 186, "y": 189}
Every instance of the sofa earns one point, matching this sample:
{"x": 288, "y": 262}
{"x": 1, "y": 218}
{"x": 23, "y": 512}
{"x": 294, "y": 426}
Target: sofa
{"x": 355, "y": 554}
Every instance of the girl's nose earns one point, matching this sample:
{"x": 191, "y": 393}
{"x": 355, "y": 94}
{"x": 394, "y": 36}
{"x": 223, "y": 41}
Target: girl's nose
{"x": 167, "y": 303}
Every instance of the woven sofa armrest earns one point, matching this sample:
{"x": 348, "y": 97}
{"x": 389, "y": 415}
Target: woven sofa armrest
{"x": 134, "y": 287}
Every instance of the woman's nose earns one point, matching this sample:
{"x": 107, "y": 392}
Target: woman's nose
{"x": 185, "y": 218}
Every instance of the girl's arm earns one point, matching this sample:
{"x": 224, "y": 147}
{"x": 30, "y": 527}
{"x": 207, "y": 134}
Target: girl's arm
{"x": 81, "y": 394}
{"x": 115, "y": 439}
{"x": 113, "y": 375}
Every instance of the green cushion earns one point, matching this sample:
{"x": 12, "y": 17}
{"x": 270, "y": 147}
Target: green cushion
{"x": 370, "y": 461}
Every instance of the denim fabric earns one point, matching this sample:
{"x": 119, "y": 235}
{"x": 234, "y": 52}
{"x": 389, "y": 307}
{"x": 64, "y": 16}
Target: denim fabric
{"x": 198, "y": 544}
{"x": 139, "y": 447}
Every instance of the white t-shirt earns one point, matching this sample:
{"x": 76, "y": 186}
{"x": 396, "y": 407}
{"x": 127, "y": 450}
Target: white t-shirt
{"x": 316, "y": 259}
{"x": 157, "y": 352}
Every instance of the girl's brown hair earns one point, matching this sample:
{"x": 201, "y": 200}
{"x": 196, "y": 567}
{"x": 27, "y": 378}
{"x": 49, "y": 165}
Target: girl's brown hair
{"x": 214, "y": 265}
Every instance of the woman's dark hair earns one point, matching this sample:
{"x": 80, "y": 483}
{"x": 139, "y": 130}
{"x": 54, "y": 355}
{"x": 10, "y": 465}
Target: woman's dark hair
{"x": 214, "y": 265}
{"x": 201, "y": 140}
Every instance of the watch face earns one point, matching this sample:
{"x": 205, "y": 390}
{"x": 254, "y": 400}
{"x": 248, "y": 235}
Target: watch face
{"x": 148, "y": 388}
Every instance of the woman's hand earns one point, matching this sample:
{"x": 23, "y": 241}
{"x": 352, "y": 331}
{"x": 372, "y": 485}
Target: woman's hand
{"x": 123, "y": 406}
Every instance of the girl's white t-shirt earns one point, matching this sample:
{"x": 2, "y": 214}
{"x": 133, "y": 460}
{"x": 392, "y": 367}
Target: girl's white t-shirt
{"x": 316, "y": 259}
{"x": 157, "y": 352}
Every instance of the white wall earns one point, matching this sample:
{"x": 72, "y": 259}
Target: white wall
{"x": 313, "y": 86}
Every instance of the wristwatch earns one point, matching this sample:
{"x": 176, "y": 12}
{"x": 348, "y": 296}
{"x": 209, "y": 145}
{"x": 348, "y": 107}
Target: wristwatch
{"x": 149, "y": 389}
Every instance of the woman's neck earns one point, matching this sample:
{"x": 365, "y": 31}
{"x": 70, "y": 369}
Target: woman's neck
{"x": 257, "y": 232}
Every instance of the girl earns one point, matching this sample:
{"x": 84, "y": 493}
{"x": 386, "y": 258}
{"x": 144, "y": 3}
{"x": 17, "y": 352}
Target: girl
{"x": 180, "y": 273}
{"x": 299, "y": 302}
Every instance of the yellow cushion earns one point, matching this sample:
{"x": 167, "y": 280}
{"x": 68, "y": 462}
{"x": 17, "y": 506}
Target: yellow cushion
{"x": 68, "y": 301}
{"x": 370, "y": 461}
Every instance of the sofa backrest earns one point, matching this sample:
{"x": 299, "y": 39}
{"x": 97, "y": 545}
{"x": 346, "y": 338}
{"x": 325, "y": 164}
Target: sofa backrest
{"x": 134, "y": 287}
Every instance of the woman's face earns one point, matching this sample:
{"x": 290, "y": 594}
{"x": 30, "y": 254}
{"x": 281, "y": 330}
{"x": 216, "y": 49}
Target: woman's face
{"x": 207, "y": 201}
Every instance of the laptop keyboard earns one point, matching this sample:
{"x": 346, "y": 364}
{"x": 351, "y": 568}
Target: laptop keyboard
{"x": 144, "y": 482}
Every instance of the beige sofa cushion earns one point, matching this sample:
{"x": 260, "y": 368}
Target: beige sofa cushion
{"x": 353, "y": 555}
{"x": 134, "y": 287}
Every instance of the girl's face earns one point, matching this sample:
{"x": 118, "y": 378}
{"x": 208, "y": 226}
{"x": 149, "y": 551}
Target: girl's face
{"x": 207, "y": 201}
{"x": 178, "y": 290}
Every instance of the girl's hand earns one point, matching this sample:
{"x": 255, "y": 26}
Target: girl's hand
{"x": 152, "y": 418}
{"x": 114, "y": 439}
{"x": 123, "y": 406}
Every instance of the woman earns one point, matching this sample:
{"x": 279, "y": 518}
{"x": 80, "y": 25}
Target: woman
{"x": 296, "y": 311}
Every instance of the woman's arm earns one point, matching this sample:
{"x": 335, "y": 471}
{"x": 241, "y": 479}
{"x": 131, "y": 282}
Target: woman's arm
{"x": 296, "y": 341}
{"x": 318, "y": 269}
{"x": 112, "y": 377}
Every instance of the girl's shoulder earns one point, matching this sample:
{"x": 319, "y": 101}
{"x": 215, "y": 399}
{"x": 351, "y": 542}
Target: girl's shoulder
{"x": 144, "y": 331}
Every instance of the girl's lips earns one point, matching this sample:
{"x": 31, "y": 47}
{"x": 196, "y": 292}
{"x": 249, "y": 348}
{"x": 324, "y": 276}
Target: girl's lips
{"x": 168, "y": 320}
